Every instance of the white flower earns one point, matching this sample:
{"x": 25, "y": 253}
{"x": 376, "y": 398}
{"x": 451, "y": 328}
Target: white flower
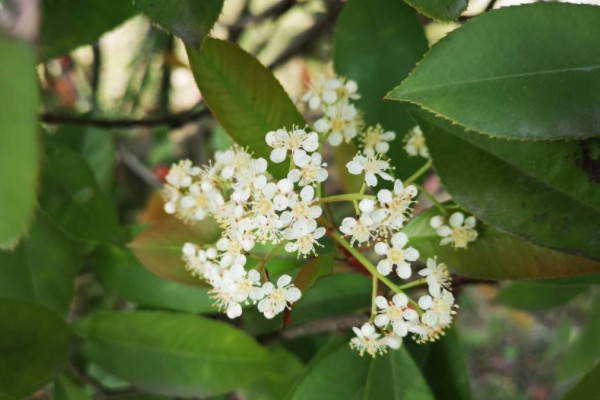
{"x": 360, "y": 230}
{"x": 376, "y": 141}
{"x": 311, "y": 173}
{"x": 415, "y": 143}
{"x": 303, "y": 236}
{"x": 198, "y": 203}
{"x": 395, "y": 206}
{"x": 301, "y": 207}
{"x": 198, "y": 261}
{"x": 328, "y": 91}
{"x": 277, "y": 298}
{"x": 397, "y": 256}
{"x": 437, "y": 276}
{"x": 297, "y": 141}
{"x": 423, "y": 333}
{"x": 395, "y": 313}
{"x": 460, "y": 232}
{"x": 235, "y": 286}
{"x": 439, "y": 309}
{"x": 181, "y": 175}
{"x": 340, "y": 122}
{"x": 371, "y": 167}
{"x": 369, "y": 341}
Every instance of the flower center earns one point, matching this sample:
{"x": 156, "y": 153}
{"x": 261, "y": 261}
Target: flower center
{"x": 460, "y": 236}
{"x": 396, "y": 256}
{"x": 264, "y": 206}
{"x": 337, "y": 124}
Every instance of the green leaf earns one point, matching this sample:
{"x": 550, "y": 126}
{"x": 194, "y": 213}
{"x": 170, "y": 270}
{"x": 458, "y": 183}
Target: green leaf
{"x": 587, "y": 388}
{"x": 443, "y": 365}
{"x": 244, "y": 96}
{"x": 67, "y": 24}
{"x": 18, "y": 140}
{"x": 377, "y": 43}
{"x": 537, "y": 296}
{"x": 584, "y": 351}
{"x": 6, "y": 397}
{"x": 539, "y": 190}
{"x": 442, "y": 10}
{"x": 285, "y": 369}
{"x": 173, "y": 354}
{"x": 66, "y": 389}
{"x": 189, "y": 20}
{"x": 72, "y": 196}
{"x": 343, "y": 374}
{"x": 95, "y": 145}
{"x": 42, "y": 268}
{"x": 123, "y": 273}
{"x": 498, "y": 255}
{"x": 159, "y": 247}
{"x": 485, "y": 77}
{"x": 34, "y": 344}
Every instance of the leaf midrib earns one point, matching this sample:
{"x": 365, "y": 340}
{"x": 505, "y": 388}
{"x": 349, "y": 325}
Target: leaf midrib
{"x": 402, "y": 92}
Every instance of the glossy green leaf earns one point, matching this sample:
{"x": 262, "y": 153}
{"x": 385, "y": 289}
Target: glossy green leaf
{"x": 443, "y": 365}
{"x": 244, "y": 96}
{"x": 95, "y": 145}
{"x": 498, "y": 255}
{"x": 536, "y": 295}
{"x": 190, "y": 20}
{"x": 123, "y": 273}
{"x": 72, "y": 196}
{"x": 587, "y": 388}
{"x": 544, "y": 191}
{"x": 285, "y": 369}
{"x": 485, "y": 77}
{"x": 584, "y": 350}
{"x": 377, "y": 43}
{"x": 159, "y": 247}
{"x": 6, "y": 397}
{"x": 66, "y": 389}
{"x": 343, "y": 374}
{"x": 442, "y": 10}
{"x": 18, "y": 139}
{"x": 67, "y": 24}
{"x": 42, "y": 268}
{"x": 34, "y": 344}
{"x": 173, "y": 354}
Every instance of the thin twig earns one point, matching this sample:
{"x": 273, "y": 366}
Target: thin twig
{"x": 173, "y": 120}
{"x": 330, "y": 324}
{"x": 138, "y": 168}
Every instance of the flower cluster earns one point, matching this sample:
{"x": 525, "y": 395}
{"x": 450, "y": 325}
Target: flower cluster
{"x": 415, "y": 143}
{"x": 252, "y": 207}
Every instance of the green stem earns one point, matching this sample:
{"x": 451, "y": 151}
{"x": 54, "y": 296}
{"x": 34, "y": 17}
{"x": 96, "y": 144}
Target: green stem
{"x": 262, "y": 266}
{"x": 435, "y": 202}
{"x": 371, "y": 268}
{"x": 412, "y": 284}
{"x": 417, "y": 174}
{"x": 345, "y": 197}
{"x": 373, "y": 296}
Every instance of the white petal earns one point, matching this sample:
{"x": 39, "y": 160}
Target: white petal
{"x": 294, "y": 175}
{"x": 284, "y": 280}
{"x": 381, "y": 302}
{"x": 366, "y": 205}
{"x": 436, "y": 222}
{"x": 293, "y": 294}
{"x": 307, "y": 193}
{"x": 398, "y": 187}
{"x": 444, "y": 231}
{"x": 399, "y": 239}
{"x": 457, "y": 219}
{"x": 234, "y": 310}
{"x": 335, "y": 138}
{"x": 370, "y": 179}
{"x": 384, "y": 267}
{"x": 382, "y": 248}
{"x": 400, "y": 328}
{"x": 278, "y": 154}
{"x": 322, "y": 125}
{"x": 381, "y": 320}
{"x": 400, "y": 299}
{"x": 384, "y": 196}
{"x": 425, "y": 302}
{"x": 354, "y": 167}
{"x": 411, "y": 254}
{"x": 403, "y": 270}
{"x": 285, "y": 185}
